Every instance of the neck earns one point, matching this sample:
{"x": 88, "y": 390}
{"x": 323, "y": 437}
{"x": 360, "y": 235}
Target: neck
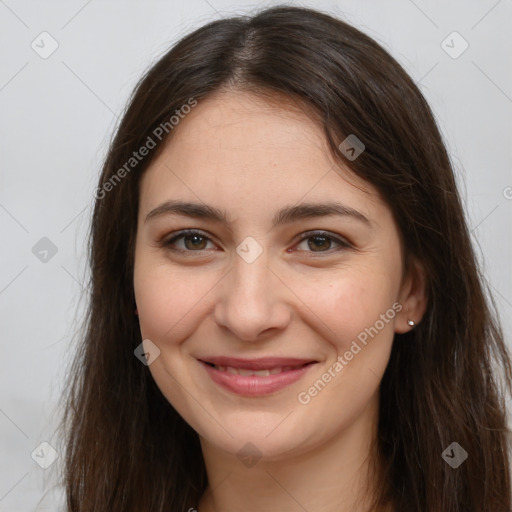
{"x": 337, "y": 476}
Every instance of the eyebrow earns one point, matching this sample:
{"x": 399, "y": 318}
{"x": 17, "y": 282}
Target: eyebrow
{"x": 286, "y": 215}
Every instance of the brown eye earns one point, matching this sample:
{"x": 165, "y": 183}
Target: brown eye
{"x": 319, "y": 243}
{"x": 188, "y": 241}
{"x": 194, "y": 242}
{"x": 322, "y": 243}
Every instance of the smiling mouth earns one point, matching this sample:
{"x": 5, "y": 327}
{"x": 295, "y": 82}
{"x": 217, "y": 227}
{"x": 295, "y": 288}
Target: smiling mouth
{"x": 255, "y": 377}
{"x": 258, "y": 373}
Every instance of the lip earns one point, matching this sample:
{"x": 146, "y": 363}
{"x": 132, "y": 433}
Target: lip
{"x": 253, "y": 385}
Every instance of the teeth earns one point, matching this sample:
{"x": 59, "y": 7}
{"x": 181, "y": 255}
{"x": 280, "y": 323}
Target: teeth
{"x": 258, "y": 373}
{"x": 262, "y": 373}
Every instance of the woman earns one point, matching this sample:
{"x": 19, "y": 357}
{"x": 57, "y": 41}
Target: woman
{"x": 286, "y": 311}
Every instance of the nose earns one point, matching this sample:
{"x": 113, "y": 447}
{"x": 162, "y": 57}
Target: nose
{"x": 252, "y": 301}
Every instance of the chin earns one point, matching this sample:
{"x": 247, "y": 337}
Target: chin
{"x": 262, "y": 434}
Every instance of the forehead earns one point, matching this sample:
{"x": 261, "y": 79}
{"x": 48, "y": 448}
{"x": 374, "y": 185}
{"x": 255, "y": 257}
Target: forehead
{"x": 245, "y": 151}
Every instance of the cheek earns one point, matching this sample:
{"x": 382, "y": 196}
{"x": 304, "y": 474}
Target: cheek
{"x": 351, "y": 303}
{"x": 357, "y": 312}
{"x": 168, "y": 300}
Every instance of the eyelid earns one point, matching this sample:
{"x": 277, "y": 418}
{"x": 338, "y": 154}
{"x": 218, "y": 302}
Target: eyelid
{"x": 343, "y": 243}
{"x": 340, "y": 240}
{"x": 333, "y": 236}
{"x": 168, "y": 241}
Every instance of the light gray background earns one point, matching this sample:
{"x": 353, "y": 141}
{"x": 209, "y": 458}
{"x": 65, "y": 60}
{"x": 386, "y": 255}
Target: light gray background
{"x": 57, "y": 115}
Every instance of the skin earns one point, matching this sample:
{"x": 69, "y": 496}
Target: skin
{"x": 302, "y": 297}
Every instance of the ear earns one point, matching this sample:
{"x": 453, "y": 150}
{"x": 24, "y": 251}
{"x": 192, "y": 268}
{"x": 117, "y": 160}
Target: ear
{"x": 412, "y": 297}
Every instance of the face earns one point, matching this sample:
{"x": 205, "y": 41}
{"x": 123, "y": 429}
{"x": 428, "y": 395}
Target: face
{"x": 268, "y": 276}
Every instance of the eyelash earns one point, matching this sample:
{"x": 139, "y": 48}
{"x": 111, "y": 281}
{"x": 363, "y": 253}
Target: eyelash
{"x": 344, "y": 245}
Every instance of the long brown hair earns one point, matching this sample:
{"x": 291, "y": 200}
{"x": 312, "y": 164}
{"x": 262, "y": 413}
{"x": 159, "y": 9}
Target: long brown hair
{"x": 447, "y": 380}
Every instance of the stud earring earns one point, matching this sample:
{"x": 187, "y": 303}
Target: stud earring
{"x": 411, "y": 323}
